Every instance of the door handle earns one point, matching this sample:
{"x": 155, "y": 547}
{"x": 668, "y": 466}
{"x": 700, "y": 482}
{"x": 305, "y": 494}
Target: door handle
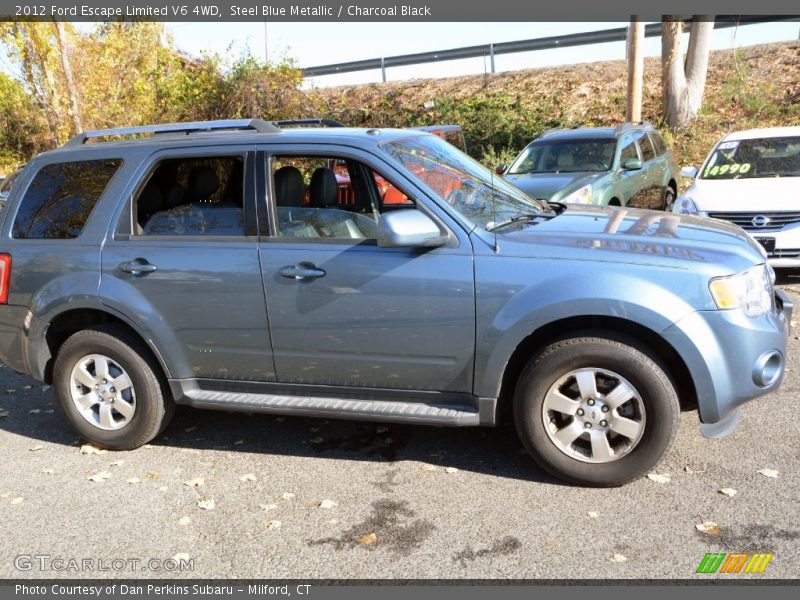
{"x": 139, "y": 266}
{"x": 303, "y": 271}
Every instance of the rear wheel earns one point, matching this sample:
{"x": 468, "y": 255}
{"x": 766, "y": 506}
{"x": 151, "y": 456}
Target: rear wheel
{"x": 669, "y": 199}
{"x": 595, "y": 411}
{"x": 108, "y": 386}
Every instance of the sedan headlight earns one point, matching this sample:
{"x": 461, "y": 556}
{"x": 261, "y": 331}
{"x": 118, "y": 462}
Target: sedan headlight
{"x": 580, "y": 196}
{"x": 685, "y": 206}
{"x": 750, "y": 290}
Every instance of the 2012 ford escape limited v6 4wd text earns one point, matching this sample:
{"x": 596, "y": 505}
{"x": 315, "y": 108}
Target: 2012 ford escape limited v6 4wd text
{"x": 216, "y": 264}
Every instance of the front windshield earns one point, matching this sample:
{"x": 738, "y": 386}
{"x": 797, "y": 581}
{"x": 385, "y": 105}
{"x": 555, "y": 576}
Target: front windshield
{"x": 750, "y": 159}
{"x": 565, "y": 156}
{"x": 469, "y": 187}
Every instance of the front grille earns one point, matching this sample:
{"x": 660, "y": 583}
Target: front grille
{"x": 774, "y": 220}
{"x": 784, "y": 253}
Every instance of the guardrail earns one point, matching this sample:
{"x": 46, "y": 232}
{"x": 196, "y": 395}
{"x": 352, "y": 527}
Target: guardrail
{"x": 618, "y": 34}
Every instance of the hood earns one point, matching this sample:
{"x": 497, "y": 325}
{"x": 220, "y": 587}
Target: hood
{"x": 547, "y": 185}
{"x": 635, "y": 236}
{"x": 750, "y": 195}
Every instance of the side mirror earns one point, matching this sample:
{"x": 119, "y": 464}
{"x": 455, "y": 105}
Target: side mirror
{"x": 501, "y": 168}
{"x": 408, "y": 228}
{"x": 632, "y": 164}
{"x": 689, "y": 172}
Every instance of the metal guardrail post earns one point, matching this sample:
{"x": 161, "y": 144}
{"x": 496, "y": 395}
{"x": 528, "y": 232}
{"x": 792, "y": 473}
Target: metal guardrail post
{"x": 491, "y": 55}
{"x": 383, "y": 69}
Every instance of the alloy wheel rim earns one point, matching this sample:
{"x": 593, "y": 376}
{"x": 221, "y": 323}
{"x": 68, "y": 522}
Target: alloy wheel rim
{"x": 102, "y": 392}
{"x": 594, "y": 415}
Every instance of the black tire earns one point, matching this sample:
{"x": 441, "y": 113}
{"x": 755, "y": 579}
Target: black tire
{"x": 154, "y": 407}
{"x": 625, "y": 358}
{"x": 669, "y": 199}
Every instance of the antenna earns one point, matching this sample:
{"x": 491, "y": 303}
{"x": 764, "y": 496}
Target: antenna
{"x": 491, "y": 171}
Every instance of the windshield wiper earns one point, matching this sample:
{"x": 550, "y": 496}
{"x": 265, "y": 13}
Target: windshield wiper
{"x": 520, "y": 218}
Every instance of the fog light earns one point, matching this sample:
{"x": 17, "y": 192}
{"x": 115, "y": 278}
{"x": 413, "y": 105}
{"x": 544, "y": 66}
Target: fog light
{"x": 767, "y": 369}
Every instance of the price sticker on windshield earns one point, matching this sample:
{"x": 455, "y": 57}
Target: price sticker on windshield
{"x": 722, "y": 170}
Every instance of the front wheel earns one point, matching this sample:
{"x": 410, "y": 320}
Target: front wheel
{"x": 595, "y": 411}
{"x": 107, "y": 384}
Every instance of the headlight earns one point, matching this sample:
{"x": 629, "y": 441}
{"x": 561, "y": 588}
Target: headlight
{"x": 580, "y": 196}
{"x": 750, "y": 290}
{"x": 685, "y": 206}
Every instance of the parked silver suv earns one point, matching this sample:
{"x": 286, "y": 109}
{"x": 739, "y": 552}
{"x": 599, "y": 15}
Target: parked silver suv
{"x": 223, "y": 265}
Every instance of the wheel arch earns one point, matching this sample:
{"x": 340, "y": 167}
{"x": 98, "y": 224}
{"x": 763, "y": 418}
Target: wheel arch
{"x": 68, "y": 322}
{"x": 601, "y": 325}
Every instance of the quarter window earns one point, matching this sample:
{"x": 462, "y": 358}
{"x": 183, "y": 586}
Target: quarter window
{"x": 61, "y": 197}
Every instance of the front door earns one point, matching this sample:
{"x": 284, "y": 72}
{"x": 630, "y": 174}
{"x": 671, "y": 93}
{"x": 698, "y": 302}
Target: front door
{"x": 184, "y": 261}
{"x": 345, "y": 312}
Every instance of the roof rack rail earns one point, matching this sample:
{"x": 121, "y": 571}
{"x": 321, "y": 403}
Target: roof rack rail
{"x": 553, "y": 130}
{"x": 625, "y": 126}
{"x": 185, "y": 128}
{"x": 308, "y": 123}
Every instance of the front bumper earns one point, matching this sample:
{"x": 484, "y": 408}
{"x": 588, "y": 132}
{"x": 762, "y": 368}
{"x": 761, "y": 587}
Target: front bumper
{"x": 783, "y": 247}
{"x": 727, "y": 354}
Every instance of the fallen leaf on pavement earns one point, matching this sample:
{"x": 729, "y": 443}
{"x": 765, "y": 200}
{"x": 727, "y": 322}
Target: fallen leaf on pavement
{"x": 184, "y": 521}
{"x": 35, "y": 411}
{"x": 190, "y": 429}
{"x": 450, "y": 470}
{"x": 238, "y": 442}
{"x": 769, "y": 473}
{"x": 18, "y": 500}
{"x": 196, "y": 482}
{"x": 4, "y": 413}
{"x": 36, "y": 448}
{"x": 89, "y": 449}
{"x": 207, "y": 504}
{"x": 328, "y": 504}
{"x": 274, "y": 524}
{"x": 728, "y": 492}
{"x": 134, "y": 480}
{"x": 381, "y": 429}
{"x": 163, "y": 488}
{"x": 368, "y": 539}
{"x": 47, "y": 471}
{"x": 334, "y": 521}
{"x": 268, "y": 507}
{"x": 427, "y": 467}
{"x": 709, "y": 527}
{"x": 248, "y": 477}
{"x": 153, "y": 475}
{"x": 618, "y": 558}
{"x": 100, "y": 477}
{"x": 5, "y": 495}
{"x": 116, "y": 463}
{"x": 316, "y": 440}
{"x": 659, "y": 478}
{"x": 592, "y": 514}
{"x": 287, "y": 495}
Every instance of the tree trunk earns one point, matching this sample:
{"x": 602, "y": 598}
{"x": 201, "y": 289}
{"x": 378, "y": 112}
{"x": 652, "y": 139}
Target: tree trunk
{"x": 65, "y": 51}
{"x": 683, "y": 85}
{"x": 633, "y": 109}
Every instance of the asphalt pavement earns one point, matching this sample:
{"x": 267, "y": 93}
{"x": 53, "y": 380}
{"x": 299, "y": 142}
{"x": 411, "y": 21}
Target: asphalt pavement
{"x": 235, "y": 495}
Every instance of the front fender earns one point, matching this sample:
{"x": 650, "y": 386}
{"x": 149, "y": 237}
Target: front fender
{"x": 507, "y": 314}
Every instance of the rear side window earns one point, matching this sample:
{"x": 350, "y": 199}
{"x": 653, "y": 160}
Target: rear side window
{"x": 61, "y": 197}
{"x": 659, "y": 143}
{"x": 648, "y": 153}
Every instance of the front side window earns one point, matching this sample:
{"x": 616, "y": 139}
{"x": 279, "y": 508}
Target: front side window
{"x": 61, "y": 197}
{"x": 750, "y": 159}
{"x": 469, "y": 187}
{"x": 565, "y": 156}
{"x": 330, "y": 197}
{"x": 628, "y": 152}
{"x": 196, "y": 196}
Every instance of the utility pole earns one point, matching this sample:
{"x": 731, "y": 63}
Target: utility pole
{"x": 635, "y": 51}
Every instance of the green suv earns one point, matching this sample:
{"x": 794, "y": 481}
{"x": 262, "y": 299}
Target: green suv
{"x": 628, "y": 165}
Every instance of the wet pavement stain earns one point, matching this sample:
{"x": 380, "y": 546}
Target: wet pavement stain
{"x": 754, "y": 538}
{"x": 390, "y": 526}
{"x": 502, "y": 547}
{"x": 389, "y": 482}
{"x": 368, "y": 441}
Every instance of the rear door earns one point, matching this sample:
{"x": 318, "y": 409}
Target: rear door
{"x": 182, "y": 260}
{"x": 345, "y": 312}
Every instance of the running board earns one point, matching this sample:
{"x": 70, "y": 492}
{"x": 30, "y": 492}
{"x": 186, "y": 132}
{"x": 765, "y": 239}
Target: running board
{"x": 334, "y": 408}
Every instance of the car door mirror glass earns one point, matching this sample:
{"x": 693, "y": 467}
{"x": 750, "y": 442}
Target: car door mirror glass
{"x": 632, "y": 164}
{"x": 408, "y": 228}
{"x": 501, "y": 168}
